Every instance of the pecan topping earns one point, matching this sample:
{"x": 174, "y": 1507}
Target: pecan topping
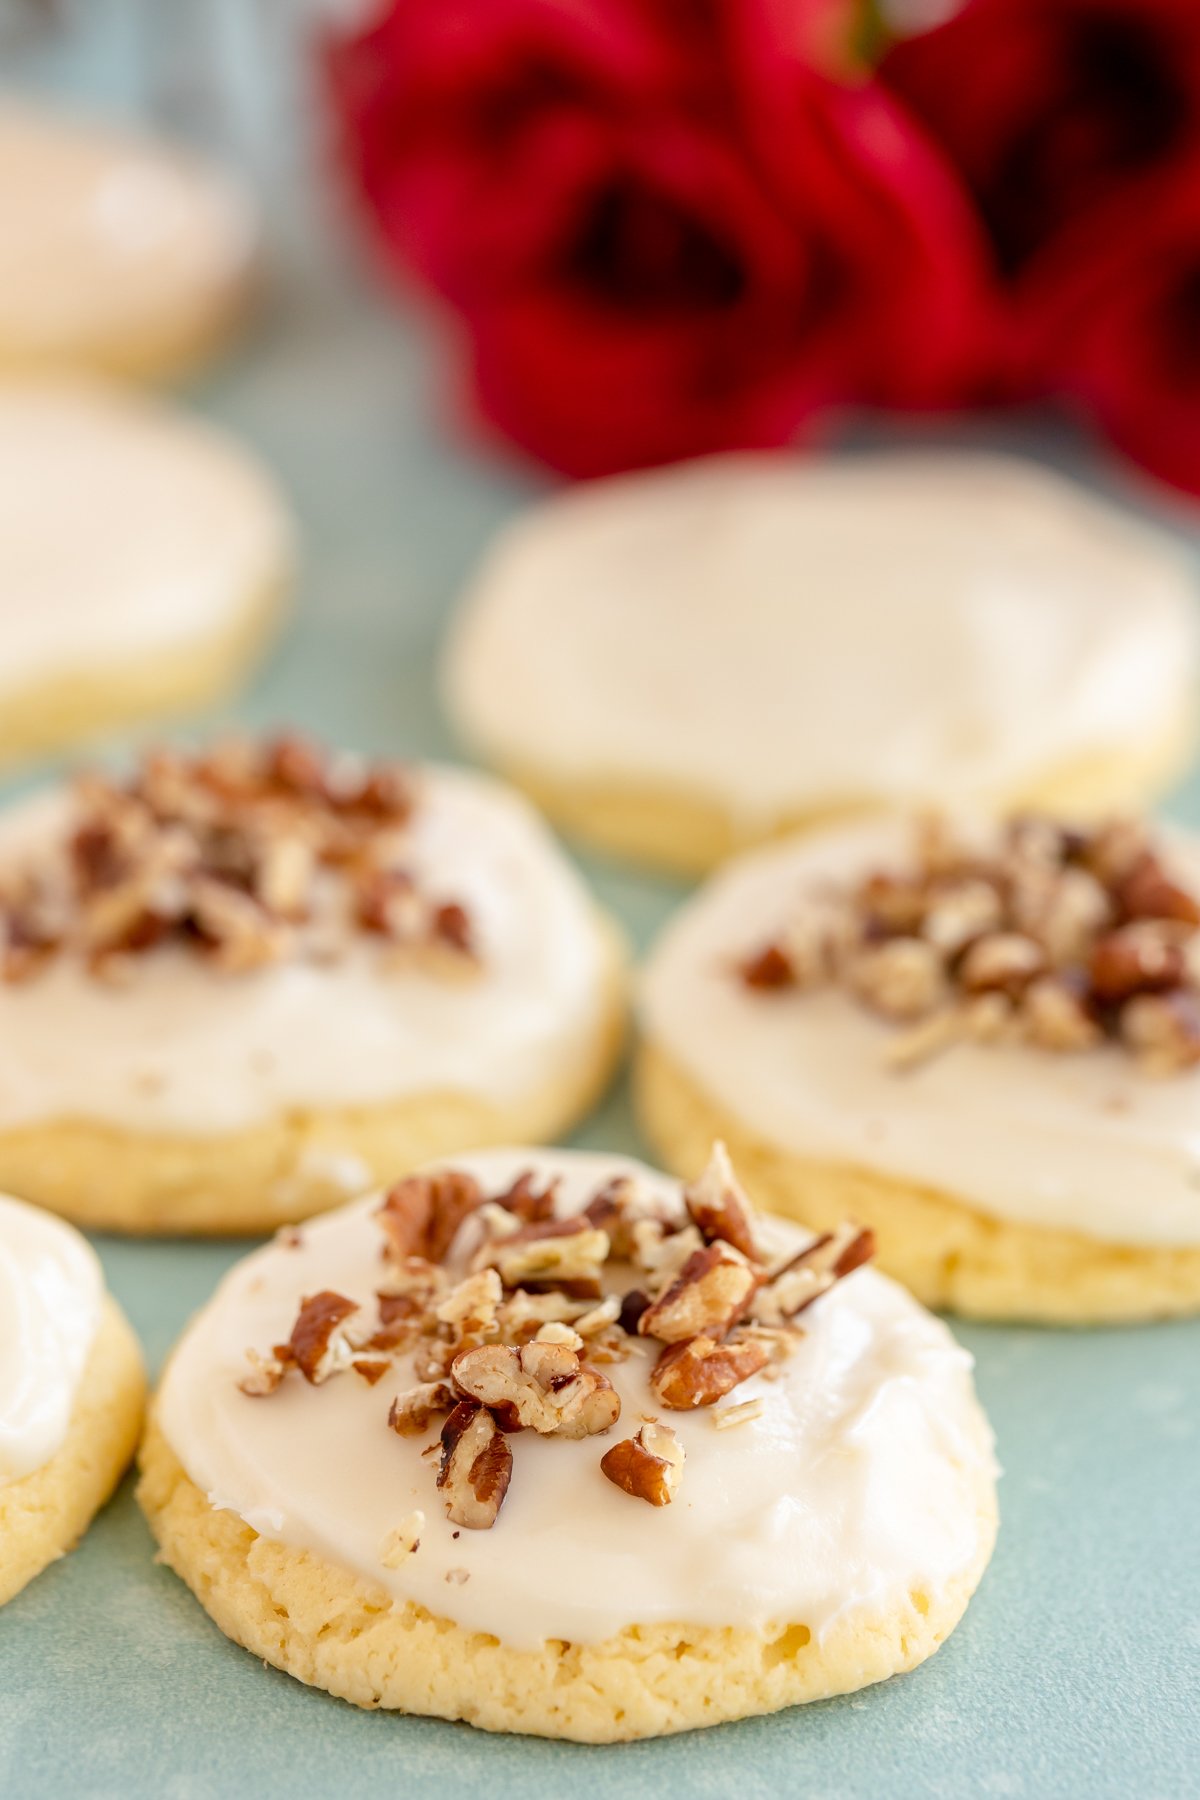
{"x": 1035, "y": 933}
{"x": 700, "y": 1371}
{"x": 718, "y": 1207}
{"x": 812, "y": 1273}
{"x": 648, "y": 1465}
{"x": 316, "y": 1347}
{"x": 247, "y": 854}
{"x": 413, "y": 1412}
{"x": 710, "y": 1295}
{"x": 476, "y": 1466}
{"x": 542, "y": 1387}
{"x": 422, "y": 1213}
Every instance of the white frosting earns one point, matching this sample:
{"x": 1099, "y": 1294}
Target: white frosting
{"x": 1084, "y": 1142}
{"x": 108, "y": 236}
{"x": 776, "y": 634}
{"x": 182, "y": 1047}
{"x": 50, "y": 1294}
{"x": 859, "y": 1481}
{"x": 127, "y": 530}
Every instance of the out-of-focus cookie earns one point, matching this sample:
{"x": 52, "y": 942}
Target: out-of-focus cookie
{"x": 680, "y": 663}
{"x": 577, "y": 1455}
{"x": 244, "y": 984}
{"x": 144, "y": 556}
{"x": 71, "y": 1391}
{"x": 984, "y": 1042}
{"x": 119, "y": 253}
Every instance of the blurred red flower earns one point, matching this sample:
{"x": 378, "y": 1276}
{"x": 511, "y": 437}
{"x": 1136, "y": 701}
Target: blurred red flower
{"x": 666, "y": 229}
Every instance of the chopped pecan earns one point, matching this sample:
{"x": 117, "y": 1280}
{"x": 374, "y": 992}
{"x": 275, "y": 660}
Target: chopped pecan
{"x": 699, "y": 1371}
{"x": 422, "y": 1214}
{"x": 403, "y": 1541}
{"x": 648, "y": 1465}
{"x": 541, "y": 1387}
{"x": 266, "y": 1373}
{"x": 568, "y": 1253}
{"x": 476, "y": 1466}
{"x": 1056, "y": 1014}
{"x": 718, "y": 1207}
{"x": 1002, "y": 962}
{"x": 1143, "y": 958}
{"x": 470, "y": 1308}
{"x": 1163, "y": 1030}
{"x": 317, "y": 1346}
{"x": 812, "y": 1273}
{"x": 902, "y": 979}
{"x": 1147, "y": 891}
{"x": 412, "y": 1412}
{"x": 710, "y": 1294}
{"x": 526, "y": 1201}
{"x": 768, "y": 969}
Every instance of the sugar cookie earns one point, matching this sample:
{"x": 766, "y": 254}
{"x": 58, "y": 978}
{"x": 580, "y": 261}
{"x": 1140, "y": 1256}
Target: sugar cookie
{"x": 71, "y": 1391}
{"x": 693, "y": 1465}
{"x": 681, "y": 663}
{"x": 244, "y": 984}
{"x": 986, "y": 1045}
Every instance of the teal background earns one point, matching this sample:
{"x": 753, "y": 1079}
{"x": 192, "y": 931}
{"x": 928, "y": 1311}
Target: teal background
{"x": 1077, "y": 1669}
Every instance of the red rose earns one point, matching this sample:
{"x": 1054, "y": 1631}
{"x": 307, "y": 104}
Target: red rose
{"x": 665, "y": 232}
{"x": 1117, "y": 320}
{"x": 1046, "y": 107}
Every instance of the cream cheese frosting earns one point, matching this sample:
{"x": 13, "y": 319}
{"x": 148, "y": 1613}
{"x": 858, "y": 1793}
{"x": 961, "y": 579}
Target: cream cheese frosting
{"x": 779, "y": 635}
{"x": 51, "y": 1290}
{"x": 106, "y": 235}
{"x": 181, "y": 1047}
{"x": 127, "y": 529}
{"x": 858, "y": 1482}
{"x": 1083, "y": 1142}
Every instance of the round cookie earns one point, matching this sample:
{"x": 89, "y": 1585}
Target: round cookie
{"x": 143, "y": 560}
{"x": 823, "y": 1462}
{"x": 71, "y": 1391}
{"x": 984, "y": 1046}
{"x": 681, "y": 663}
{"x": 244, "y": 984}
{"x": 119, "y": 253}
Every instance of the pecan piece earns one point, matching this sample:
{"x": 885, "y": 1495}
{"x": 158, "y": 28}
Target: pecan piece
{"x": 1003, "y": 962}
{"x": 541, "y": 1387}
{"x": 1163, "y": 1030}
{"x": 649, "y": 1465}
{"x": 812, "y": 1273}
{"x": 710, "y": 1294}
{"x": 421, "y": 1214}
{"x": 412, "y": 1412}
{"x": 902, "y": 979}
{"x": 1147, "y": 891}
{"x": 317, "y": 1347}
{"x": 1143, "y": 958}
{"x": 718, "y": 1207}
{"x": 476, "y": 1466}
{"x": 699, "y": 1371}
{"x": 567, "y": 1253}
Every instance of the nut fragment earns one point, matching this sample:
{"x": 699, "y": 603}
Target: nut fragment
{"x": 1056, "y": 1016}
{"x": 648, "y": 1465}
{"x": 541, "y": 1387}
{"x": 403, "y": 1541}
{"x": 903, "y": 979}
{"x": 1002, "y": 962}
{"x": 421, "y": 1215}
{"x": 476, "y": 1466}
{"x": 699, "y": 1371}
{"x": 1163, "y": 1030}
{"x": 718, "y": 1207}
{"x": 317, "y": 1347}
{"x": 710, "y": 1294}
{"x": 413, "y": 1412}
{"x": 564, "y": 1252}
{"x": 1142, "y": 958}
{"x": 812, "y": 1273}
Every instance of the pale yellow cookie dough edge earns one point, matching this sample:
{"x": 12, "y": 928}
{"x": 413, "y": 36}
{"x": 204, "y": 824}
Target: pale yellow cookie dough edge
{"x": 290, "y": 1167}
{"x": 946, "y": 1252}
{"x": 44, "y": 1514}
{"x": 332, "y": 1630}
{"x": 686, "y": 832}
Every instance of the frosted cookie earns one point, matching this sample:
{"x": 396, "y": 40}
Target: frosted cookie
{"x": 143, "y": 558}
{"x": 680, "y": 663}
{"x": 545, "y": 1444}
{"x": 985, "y": 1044}
{"x": 118, "y": 252}
{"x": 71, "y": 1391}
{"x": 243, "y": 984}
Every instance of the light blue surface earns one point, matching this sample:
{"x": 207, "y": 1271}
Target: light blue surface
{"x": 1077, "y": 1669}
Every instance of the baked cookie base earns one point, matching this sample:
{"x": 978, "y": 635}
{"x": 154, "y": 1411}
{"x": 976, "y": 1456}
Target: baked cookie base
{"x": 946, "y": 1252}
{"x": 687, "y": 833}
{"x": 71, "y": 709}
{"x": 331, "y": 1630}
{"x": 43, "y": 1515}
{"x": 294, "y": 1166}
